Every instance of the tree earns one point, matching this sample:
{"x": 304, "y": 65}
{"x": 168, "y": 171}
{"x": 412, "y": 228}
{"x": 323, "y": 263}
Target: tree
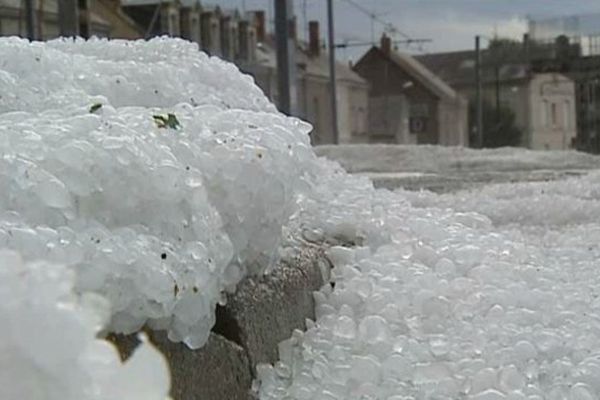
{"x": 499, "y": 129}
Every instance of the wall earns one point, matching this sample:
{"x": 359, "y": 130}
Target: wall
{"x": 318, "y": 108}
{"x": 9, "y": 19}
{"x": 211, "y": 33}
{"x": 389, "y": 120}
{"x": 525, "y": 97}
{"x": 353, "y": 104}
{"x": 264, "y": 77}
{"x": 121, "y": 26}
{"x": 387, "y": 80}
{"x": 553, "y": 117}
{"x": 453, "y": 117}
{"x": 229, "y": 37}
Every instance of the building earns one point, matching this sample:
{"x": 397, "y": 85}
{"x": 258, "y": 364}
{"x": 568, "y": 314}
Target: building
{"x": 311, "y": 96}
{"x": 222, "y": 33}
{"x": 543, "y": 103}
{"x": 228, "y": 34}
{"x": 585, "y": 72}
{"x": 154, "y": 17}
{"x": 102, "y": 18}
{"x": 575, "y": 43}
{"x": 243, "y": 40}
{"x": 580, "y": 29}
{"x": 119, "y": 25}
{"x": 408, "y": 103}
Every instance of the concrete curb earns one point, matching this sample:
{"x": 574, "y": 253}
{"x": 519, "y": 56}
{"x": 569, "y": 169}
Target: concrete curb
{"x": 219, "y": 370}
{"x": 262, "y": 312}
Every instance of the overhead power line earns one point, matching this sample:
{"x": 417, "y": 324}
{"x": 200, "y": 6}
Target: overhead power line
{"x": 364, "y": 44}
{"x": 386, "y": 24}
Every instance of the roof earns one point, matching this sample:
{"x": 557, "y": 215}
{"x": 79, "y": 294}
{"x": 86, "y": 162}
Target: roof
{"x": 458, "y": 67}
{"x": 125, "y": 28}
{"x": 98, "y": 20}
{"x": 307, "y": 65}
{"x": 319, "y": 66}
{"x": 229, "y": 13}
{"x": 449, "y": 66}
{"x": 131, "y": 3}
{"x": 422, "y": 74}
{"x": 51, "y": 6}
{"x": 417, "y": 70}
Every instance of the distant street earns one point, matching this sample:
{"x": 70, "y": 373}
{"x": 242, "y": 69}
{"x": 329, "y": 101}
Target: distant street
{"x": 443, "y": 170}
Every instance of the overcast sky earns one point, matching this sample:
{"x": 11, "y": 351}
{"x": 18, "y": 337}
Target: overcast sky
{"x": 450, "y": 24}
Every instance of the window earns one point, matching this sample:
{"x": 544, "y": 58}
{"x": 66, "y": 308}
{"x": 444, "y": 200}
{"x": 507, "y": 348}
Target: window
{"x": 417, "y": 124}
{"x": 554, "y": 114}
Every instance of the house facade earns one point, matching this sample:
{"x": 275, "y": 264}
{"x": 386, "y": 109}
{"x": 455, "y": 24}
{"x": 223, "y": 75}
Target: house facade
{"x": 552, "y": 124}
{"x": 311, "y": 95}
{"x": 585, "y": 73}
{"x": 544, "y": 104}
{"x": 407, "y": 103}
{"x": 102, "y": 18}
{"x": 243, "y": 39}
{"x": 237, "y": 37}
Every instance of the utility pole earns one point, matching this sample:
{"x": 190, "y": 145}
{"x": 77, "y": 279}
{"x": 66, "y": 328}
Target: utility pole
{"x": 30, "y": 22}
{"x": 368, "y": 44}
{"x": 497, "y": 79}
{"x": 285, "y": 54}
{"x": 478, "y": 97}
{"x": 333, "y": 92}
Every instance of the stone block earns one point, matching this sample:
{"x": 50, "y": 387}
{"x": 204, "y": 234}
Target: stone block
{"x": 218, "y": 371}
{"x": 262, "y": 312}
{"x": 266, "y": 309}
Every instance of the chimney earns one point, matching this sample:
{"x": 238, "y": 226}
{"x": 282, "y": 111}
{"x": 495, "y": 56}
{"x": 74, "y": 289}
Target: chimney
{"x": 260, "y": 25}
{"x": 247, "y": 42}
{"x": 314, "y": 39}
{"x": 226, "y": 39}
{"x": 386, "y": 44}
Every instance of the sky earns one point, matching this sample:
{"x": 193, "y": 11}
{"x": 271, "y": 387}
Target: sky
{"x": 450, "y": 24}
